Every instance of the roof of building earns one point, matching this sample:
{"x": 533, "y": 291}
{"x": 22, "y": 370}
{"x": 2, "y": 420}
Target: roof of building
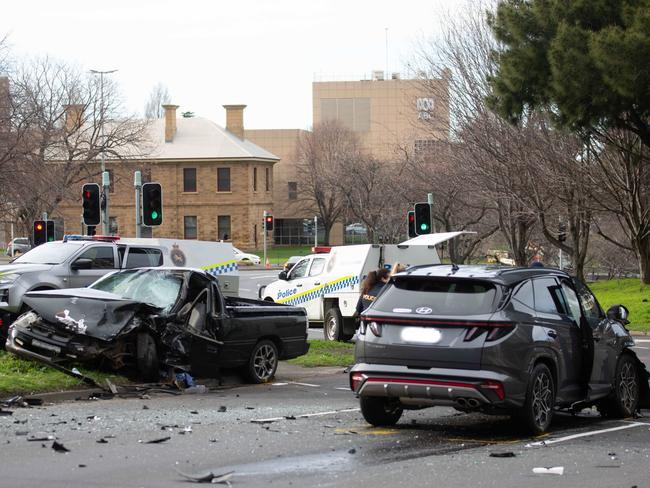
{"x": 200, "y": 138}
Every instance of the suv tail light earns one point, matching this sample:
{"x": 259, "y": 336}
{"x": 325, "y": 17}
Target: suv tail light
{"x": 496, "y": 387}
{"x": 495, "y": 330}
{"x": 355, "y": 380}
{"x": 375, "y": 328}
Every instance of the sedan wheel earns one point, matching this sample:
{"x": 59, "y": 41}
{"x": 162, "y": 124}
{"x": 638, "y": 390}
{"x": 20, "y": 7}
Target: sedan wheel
{"x": 263, "y": 362}
{"x": 537, "y": 412}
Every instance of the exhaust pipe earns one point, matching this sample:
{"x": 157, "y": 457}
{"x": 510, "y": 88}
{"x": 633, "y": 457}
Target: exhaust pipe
{"x": 473, "y": 403}
{"x": 462, "y": 402}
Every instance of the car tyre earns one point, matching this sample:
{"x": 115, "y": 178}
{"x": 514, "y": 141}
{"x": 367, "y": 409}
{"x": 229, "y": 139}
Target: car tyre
{"x": 380, "y": 412}
{"x": 624, "y": 399}
{"x": 263, "y": 362}
{"x": 147, "y": 358}
{"x": 537, "y": 412}
{"x": 333, "y": 327}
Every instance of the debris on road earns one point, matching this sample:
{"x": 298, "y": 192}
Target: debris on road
{"x": 209, "y": 477}
{"x": 222, "y": 408}
{"x": 41, "y": 438}
{"x": 102, "y": 441}
{"x": 58, "y": 447}
{"x": 549, "y": 470}
{"x": 506, "y": 454}
{"x": 5, "y": 413}
{"x": 155, "y": 441}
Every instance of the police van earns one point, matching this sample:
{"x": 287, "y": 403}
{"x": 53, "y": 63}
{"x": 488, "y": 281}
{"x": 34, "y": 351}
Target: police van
{"x": 327, "y": 285}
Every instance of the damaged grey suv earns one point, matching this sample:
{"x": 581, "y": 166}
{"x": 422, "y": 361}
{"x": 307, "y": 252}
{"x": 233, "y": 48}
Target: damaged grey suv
{"x": 518, "y": 341}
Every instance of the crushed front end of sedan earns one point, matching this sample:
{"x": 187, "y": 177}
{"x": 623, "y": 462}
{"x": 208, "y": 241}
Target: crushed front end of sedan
{"x": 146, "y": 320}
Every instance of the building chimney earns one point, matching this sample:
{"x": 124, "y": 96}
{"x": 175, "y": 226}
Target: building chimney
{"x": 170, "y": 122}
{"x": 73, "y": 113}
{"x": 235, "y": 119}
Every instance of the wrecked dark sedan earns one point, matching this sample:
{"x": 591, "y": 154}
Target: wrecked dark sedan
{"x": 519, "y": 341}
{"x": 148, "y": 319}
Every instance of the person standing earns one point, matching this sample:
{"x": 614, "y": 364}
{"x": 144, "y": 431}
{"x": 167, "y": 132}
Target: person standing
{"x": 371, "y": 287}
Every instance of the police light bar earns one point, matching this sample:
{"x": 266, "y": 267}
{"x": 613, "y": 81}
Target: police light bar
{"x": 321, "y": 249}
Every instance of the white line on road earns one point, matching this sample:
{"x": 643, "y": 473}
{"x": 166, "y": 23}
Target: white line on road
{"x": 641, "y": 340}
{"x": 304, "y": 384}
{"x": 584, "y": 434}
{"x": 305, "y": 415}
{"x": 344, "y": 389}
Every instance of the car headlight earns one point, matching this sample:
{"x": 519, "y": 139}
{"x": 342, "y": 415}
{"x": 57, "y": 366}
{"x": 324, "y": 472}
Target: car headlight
{"x": 8, "y": 278}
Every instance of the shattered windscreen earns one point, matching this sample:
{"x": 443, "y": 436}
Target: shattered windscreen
{"x": 157, "y": 287}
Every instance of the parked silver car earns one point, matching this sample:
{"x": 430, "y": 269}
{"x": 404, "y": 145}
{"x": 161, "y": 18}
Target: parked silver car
{"x": 18, "y": 245}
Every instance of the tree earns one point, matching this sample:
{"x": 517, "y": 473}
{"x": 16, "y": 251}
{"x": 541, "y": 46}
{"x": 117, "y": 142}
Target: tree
{"x": 158, "y": 97}
{"x": 56, "y": 120}
{"x": 323, "y": 155}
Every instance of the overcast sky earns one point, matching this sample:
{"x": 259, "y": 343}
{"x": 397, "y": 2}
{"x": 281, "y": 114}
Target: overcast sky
{"x": 263, "y": 53}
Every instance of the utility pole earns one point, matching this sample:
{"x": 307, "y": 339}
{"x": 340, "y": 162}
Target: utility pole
{"x": 430, "y": 202}
{"x": 315, "y": 230}
{"x": 137, "y": 183}
{"x": 105, "y": 175}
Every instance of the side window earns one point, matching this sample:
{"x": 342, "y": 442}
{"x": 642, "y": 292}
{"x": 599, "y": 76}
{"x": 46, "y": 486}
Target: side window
{"x": 299, "y": 270}
{"x": 102, "y": 257}
{"x": 589, "y": 303}
{"x": 548, "y": 296}
{"x": 143, "y": 257}
{"x": 524, "y": 294}
{"x": 572, "y": 301}
{"x": 317, "y": 266}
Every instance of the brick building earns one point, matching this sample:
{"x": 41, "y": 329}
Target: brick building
{"x": 216, "y": 184}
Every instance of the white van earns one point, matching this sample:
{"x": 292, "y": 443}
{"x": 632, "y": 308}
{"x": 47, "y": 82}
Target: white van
{"x": 327, "y": 285}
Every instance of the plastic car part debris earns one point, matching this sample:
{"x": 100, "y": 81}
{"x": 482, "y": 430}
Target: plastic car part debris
{"x": 196, "y": 390}
{"x": 222, "y": 408}
{"x": 102, "y": 441}
{"x": 5, "y": 413}
{"x": 58, "y": 447}
{"x": 506, "y": 454}
{"x": 209, "y": 477}
{"x": 41, "y": 438}
{"x": 155, "y": 441}
{"x": 112, "y": 388}
{"x": 183, "y": 380}
{"x": 550, "y": 470}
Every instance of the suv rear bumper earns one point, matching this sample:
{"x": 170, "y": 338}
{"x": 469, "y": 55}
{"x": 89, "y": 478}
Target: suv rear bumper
{"x": 461, "y": 388}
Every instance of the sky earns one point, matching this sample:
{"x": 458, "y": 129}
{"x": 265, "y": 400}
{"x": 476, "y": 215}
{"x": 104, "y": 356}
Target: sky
{"x": 262, "y": 53}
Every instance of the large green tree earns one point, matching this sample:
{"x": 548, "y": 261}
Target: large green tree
{"x": 586, "y": 60}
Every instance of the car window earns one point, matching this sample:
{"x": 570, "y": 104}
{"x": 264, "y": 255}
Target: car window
{"x": 101, "y": 256}
{"x": 441, "y": 296}
{"x": 317, "y": 266}
{"x": 548, "y": 296}
{"x": 299, "y": 270}
{"x": 590, "y": 306}
{"x": 22, "y": 241}
{"x": 573, "y": 304}
{"x": 141, "y": 257}
{"x": 524, "y": 294}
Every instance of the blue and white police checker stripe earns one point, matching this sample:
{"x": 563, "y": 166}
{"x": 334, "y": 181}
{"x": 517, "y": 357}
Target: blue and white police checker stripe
{"x": 315, "y": 293}
{"x": 221, "y": 268}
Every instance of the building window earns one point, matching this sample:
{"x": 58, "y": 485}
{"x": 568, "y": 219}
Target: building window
{"x": 293, "y": 190}
{"x": 425, "y": 145}
{"x": 268, "y": 179}
{"x": 112, "y": 226}
{"x": 223, "y": 179}
{"x": 189, "y": 180}
{"x": 353, "y": 113}
{"x": 223, "y": 227}
{"x": 254, "y": 179}
{"x": 190, "y": 227}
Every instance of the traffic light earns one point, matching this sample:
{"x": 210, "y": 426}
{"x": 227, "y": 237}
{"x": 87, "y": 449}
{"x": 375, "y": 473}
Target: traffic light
{"x": 410, "y": 218}
{"x": 91, "y": 230}
{"x": 268, "y": 222}
{"x": 49, "y": 230}
{"x": 90, "y": 196}
{"x": 152, "y": 207}
{"x": 422, "y": 218}
{"x": 40, "y": 235}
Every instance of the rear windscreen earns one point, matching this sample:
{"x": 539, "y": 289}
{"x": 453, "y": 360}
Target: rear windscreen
{"x": 442, "y": 296}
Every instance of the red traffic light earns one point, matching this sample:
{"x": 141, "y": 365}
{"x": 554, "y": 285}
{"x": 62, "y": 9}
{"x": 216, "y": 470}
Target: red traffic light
{"x": 268, "y": 222}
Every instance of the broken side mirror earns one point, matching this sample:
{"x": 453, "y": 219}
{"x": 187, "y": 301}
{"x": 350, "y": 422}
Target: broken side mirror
{"x": 619, "y": 313}
{"x": 283, "y": 275}
{"x": 82, "y": 263}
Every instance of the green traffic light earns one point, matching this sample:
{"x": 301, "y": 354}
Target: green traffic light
{"x": 154, "y": 215}
{"x": 424, "y": 226}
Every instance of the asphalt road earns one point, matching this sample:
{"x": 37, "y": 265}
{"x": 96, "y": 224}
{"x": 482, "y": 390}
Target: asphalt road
{"x": 305, "y": 430}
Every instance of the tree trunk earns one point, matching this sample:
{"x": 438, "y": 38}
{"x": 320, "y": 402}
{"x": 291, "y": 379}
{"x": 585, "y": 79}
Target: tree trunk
{"x": 643, "y": 253}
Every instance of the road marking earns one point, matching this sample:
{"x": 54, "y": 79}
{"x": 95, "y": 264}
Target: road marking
{"x": 279, "y": 384}
{"x": 304, "y": 384}
{"x": 347, "y": 388}
{"x": 585, "y": 434}
{"x": 305, "y": 415}
{"x": 641, "y": 340}
{"x": 367, "y": 431}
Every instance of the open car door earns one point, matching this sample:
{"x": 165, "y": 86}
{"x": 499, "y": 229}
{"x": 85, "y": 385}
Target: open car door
{"x": 202, "y": 325}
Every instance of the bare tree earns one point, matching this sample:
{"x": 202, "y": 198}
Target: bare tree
{"x": 323, "y": 155}
{"x": 55, "y": 133}
{"x": 158, "y": 97}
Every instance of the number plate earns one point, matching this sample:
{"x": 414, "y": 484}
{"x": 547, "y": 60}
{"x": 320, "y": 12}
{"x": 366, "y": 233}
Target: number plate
{"x": 424, "y": 335}
{"x": 45, "y": 345}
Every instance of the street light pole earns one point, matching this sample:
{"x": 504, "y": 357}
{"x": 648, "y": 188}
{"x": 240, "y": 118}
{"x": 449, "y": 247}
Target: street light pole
{"x": 105, "y": 176}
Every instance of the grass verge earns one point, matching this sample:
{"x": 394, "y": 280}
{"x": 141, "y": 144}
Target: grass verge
{"x": 280, "y": 254}
{"x": 326, "y": 353}
{"x": 629, "y": 292}
{"x": 19, "y": 376}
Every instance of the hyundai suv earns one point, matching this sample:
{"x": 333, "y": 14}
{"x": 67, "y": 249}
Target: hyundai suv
{"x": 518, "y": 341}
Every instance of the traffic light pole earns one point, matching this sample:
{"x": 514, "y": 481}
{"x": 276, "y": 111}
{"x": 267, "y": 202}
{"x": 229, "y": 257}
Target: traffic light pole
{"x": 137, "y": 183}
{"x": 430, "y": 202}
{"x": 106, "y": 182}
{"x": 264, "y": 232}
